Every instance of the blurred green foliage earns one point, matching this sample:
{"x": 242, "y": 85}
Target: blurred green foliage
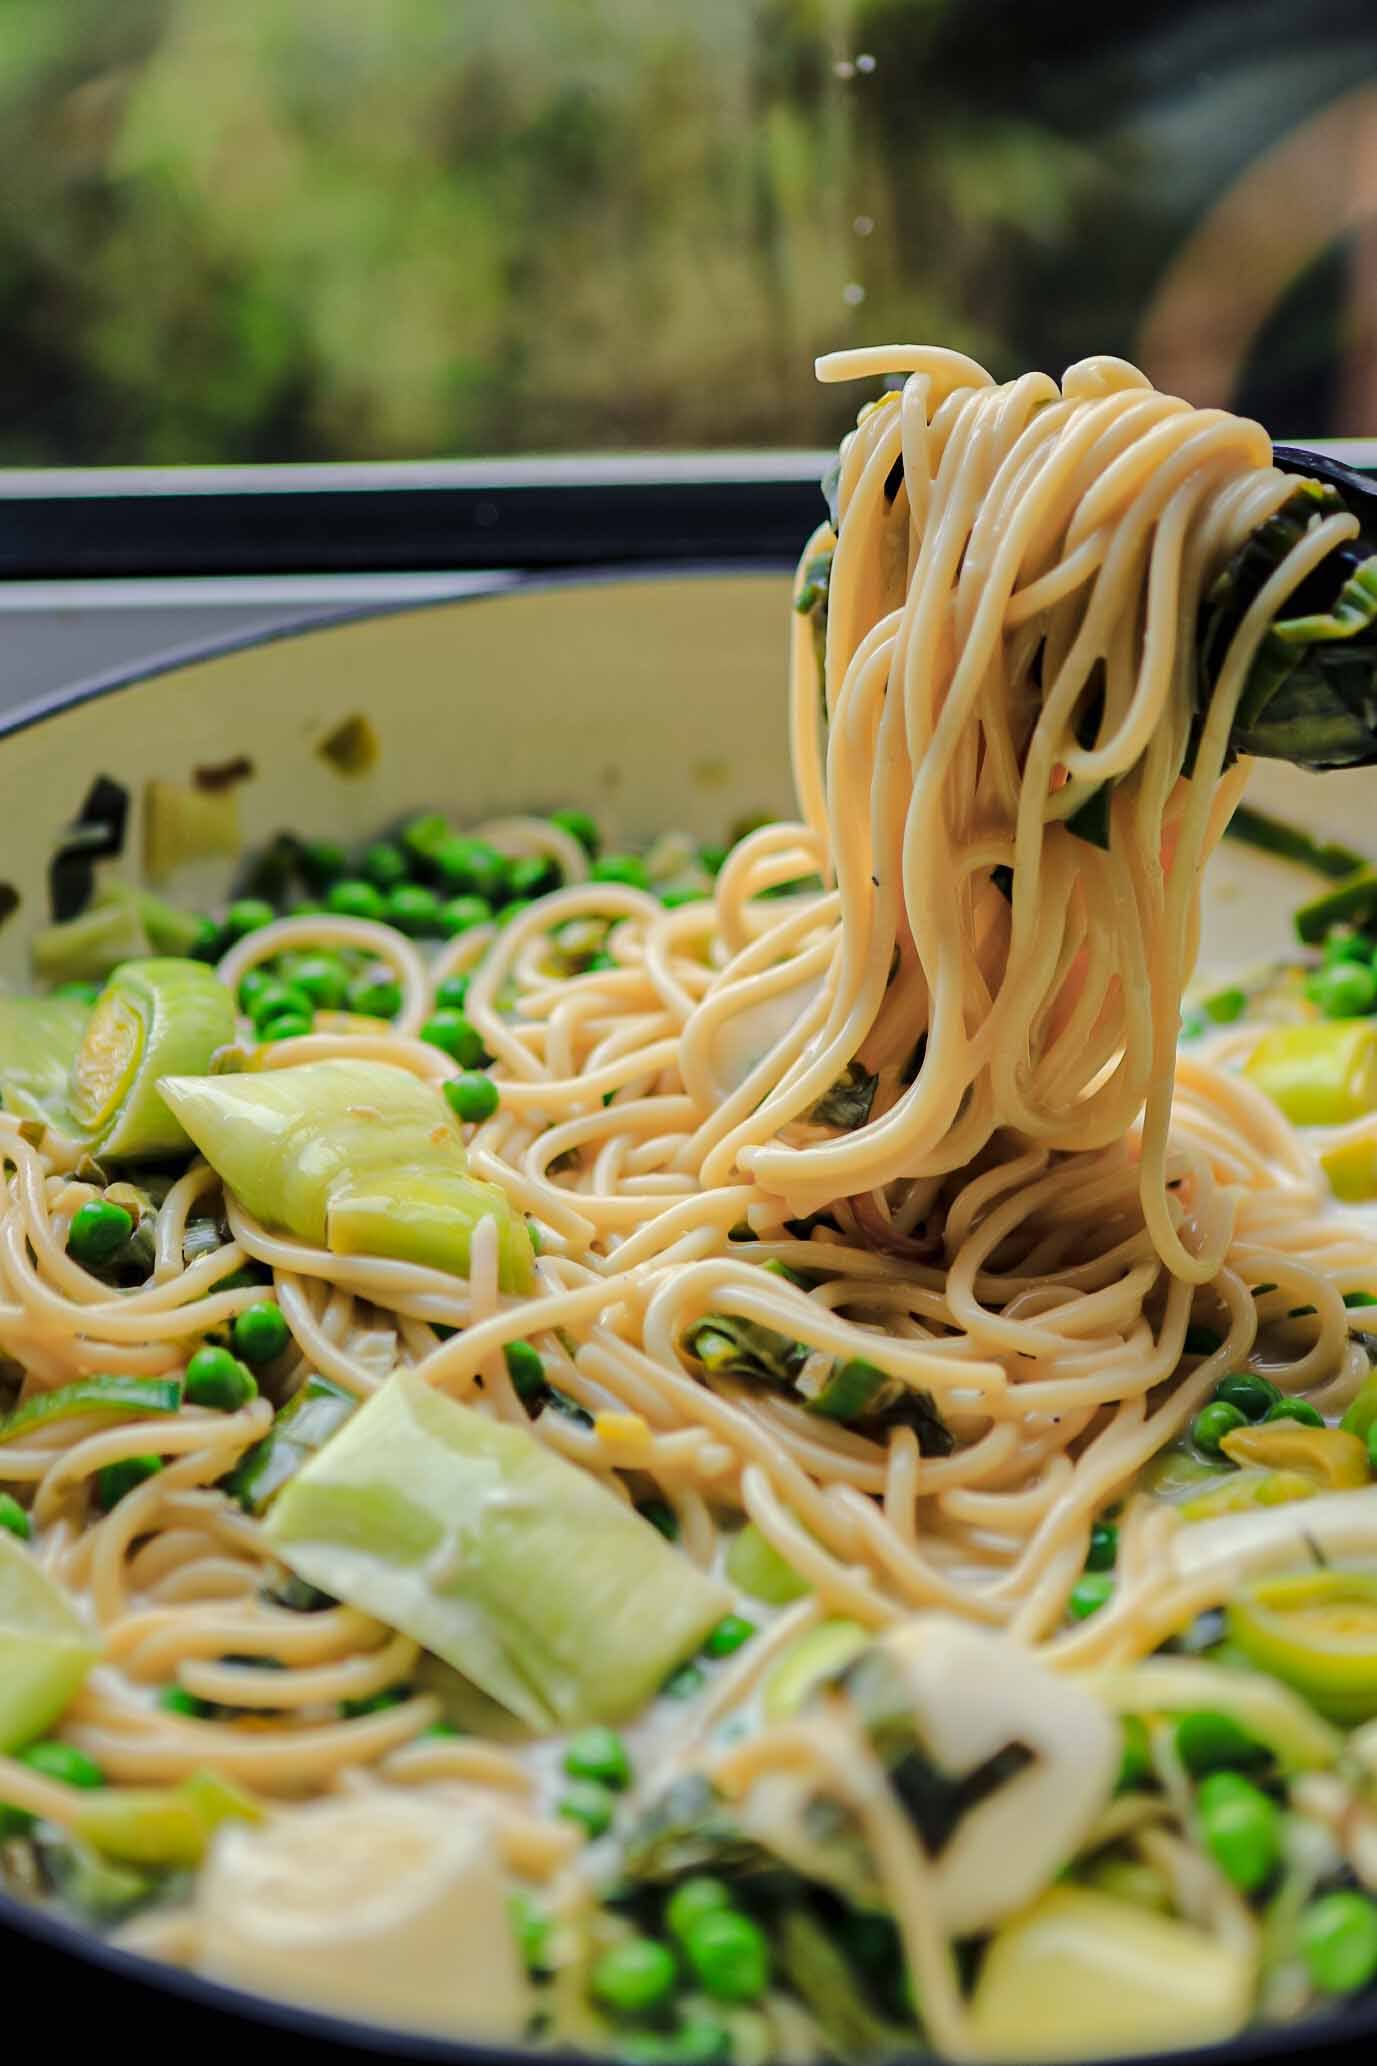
{"x": 291, "y": 229}
{"x": 323, "y": 229}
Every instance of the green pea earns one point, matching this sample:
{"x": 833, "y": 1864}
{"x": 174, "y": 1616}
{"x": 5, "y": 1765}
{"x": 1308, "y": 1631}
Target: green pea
{"x": 633, "y": 1977}
{"x": 424, "y": 834}
{"x": 1338, "y": 1941}
{"x": 323, "y": 979}
{"x": 375, "y": 996}
{"x": 176, "y": 1700}
{"x": 207, "y": 942}
{"x": 729, "y": 1956}
{"x": 589, "y": 1804}
{"x": 275, "y": 1000}
{"x": 1240, "y": 1828}
{"x": 628, "y": 868}
{"x": 684, "y": 1683}
{"x": 97, "y": 1231}
{"x": 602, "y": 961}
{"x": 384, "y": 864}
{"x": 321, "y": 863}
{"x": 84, "y": 993}
{"x": 462, "y": 914}
{"x": 452, "y": 1033}
{"x": 260, "y": 1333}
{"x": 1372, "y": 1447}
{"x": 525, "y": 1369}
{"x": 1135, "y": 1762}
{"x": 114, "y": 1480}
{"x": 581, "y": 827}
{"x": 513, "y": 910}
{"x": 453, "y": 993}
{"x": 1104, "y": 1547}
{"x": 1251, "y": 1395}
{"x": 692, "y": 1899}
{"x": 306, "y": 907}
{"x": 288, "y": 1025}
{"x": 532, "y": 875}
{"x": 469, "y": 867}
{"x": 252, "y": 984}
{"x": 472, "y": 1096}
{"x": 1213, "y": 1423}
{"x": 1343, "y": 990}
{"x": 13, "y": 1517}
{"x": 531, "y": 1927}
{"x": 1193, "y": 1024}
{"x": 1207, "y": 1741}
{"x": 1343, "y": 945}
{"x": 216, "y": 1379}
{"x": 413, "y": 909}
{"x": 730, "y": 1633}
{"x": 701, "y": 2040}
{"x": 248, "y": 915}
{"x": 713, "y": 857}
{"x": 354, "y": 898}
{"x": 440, "y": 1732}
{"x": 672, "y": 899}
{"x": 1089, "y": 1594}
{"x": 1296, "y": 1409}
{"x": 63, "y": 1762}
{"x": 1225, "y": 1006}
{"x": 599, "y": 1753}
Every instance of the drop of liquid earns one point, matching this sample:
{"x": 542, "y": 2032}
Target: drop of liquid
{"x": 853, "y": 294}
{"x": 844, "y": 68}
{"x": 863, "y": 225}
{"x": 865, "y": 62}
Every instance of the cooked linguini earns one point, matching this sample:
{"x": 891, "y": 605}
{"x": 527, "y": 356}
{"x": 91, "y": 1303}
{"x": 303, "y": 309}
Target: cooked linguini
{"x": 1016, "y": 1222}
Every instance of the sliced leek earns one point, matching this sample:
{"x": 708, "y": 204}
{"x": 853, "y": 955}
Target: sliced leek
{"x": 153, "y": 1018}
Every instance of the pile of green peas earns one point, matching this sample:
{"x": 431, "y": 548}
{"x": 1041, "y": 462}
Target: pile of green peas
{"x": 429, "y": 882}
{"x": 1344, "y": 986}
{"x": 1244, "y": 1399}
{"x": 710, "y": 1951}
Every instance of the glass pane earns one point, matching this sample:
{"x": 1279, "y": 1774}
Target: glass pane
{"x": 335, "y": 229}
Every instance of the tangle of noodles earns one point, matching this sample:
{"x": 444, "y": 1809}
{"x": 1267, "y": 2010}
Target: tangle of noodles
{"x": 1037, "y": 1205}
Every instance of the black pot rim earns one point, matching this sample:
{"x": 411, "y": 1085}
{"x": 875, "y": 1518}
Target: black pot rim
{"x": 313, "y": 2033}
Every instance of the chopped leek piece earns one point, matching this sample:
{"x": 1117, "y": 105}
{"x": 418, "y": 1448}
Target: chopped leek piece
{"x": 304, "y": 1425}
{"x": 515, "y": 1567}
{"x": 811, "y": 1658}
{"x": 45, "y": 1649}
{"x": 846, "y": 1102}
{"x": 1351, "y": 1167}
{"x": 1361, "y": 1411}
{"x": 1316, "y": 1631}
{"x": 1238, "y": 1491}
{"x": 162, "y": 1825}
{"x": 1079, "y": 1974}
{"x": 372, "y": 1906}
{"x": 1321, "y": 1074}
{"x": 360, "y": 1157}
{"x": 152, "y": 1017}
{"x": 115, "y": 1393}
{"x": 88, "y": 948}
{"x": 756, "y": 1567}
{"x": 39, "y": 1038}
{"x": 1332, "y": 1460}
{"x": 183, "y": 824}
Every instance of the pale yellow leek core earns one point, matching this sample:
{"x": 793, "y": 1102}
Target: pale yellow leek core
{"x": 1038, "y": 1202}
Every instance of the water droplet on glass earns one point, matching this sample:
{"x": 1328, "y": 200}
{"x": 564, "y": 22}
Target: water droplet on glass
{"x": 853, "y": 294}
{"x": 863, "y": 225}
{"x": 865, "y": 62}
{"x": 844, "y": 68}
